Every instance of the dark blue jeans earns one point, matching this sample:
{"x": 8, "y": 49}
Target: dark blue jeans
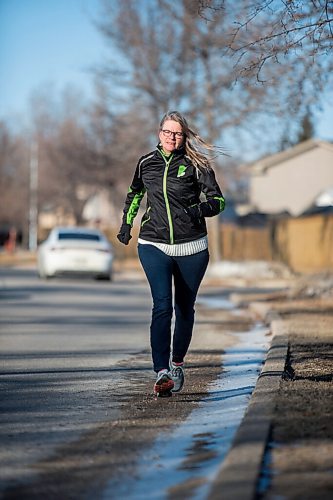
{"x": 186, "y": 273}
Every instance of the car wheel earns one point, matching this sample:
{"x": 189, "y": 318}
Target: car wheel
{"x": 41, "y": 273}
{"x": 44, "y": 276}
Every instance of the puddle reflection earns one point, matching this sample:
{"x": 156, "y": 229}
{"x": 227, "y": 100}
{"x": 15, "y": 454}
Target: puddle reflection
{"x": 202, "y": 449}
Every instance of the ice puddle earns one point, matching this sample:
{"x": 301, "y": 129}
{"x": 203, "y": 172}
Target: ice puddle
{"x": 191, "y": 455}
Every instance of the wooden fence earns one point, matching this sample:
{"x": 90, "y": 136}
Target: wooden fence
{"x": 305, "y": 244}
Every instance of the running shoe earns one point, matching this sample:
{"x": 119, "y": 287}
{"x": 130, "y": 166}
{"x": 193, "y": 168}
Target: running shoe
{"x": 177, "y": 375}
{"x": 164, "y": 384}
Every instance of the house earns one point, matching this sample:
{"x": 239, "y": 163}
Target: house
{"x": 291, "y": 181}
{"x": 99, "y": 208}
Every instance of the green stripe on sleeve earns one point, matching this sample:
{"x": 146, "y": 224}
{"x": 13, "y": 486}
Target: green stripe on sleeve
{"x": 221, "y": 201}
{"x": 134, "y": 207}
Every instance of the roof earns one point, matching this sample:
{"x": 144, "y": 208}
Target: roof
{"x": 263, "y": 164}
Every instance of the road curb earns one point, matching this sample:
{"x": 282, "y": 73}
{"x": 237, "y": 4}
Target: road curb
{"x": 239, "y": 474}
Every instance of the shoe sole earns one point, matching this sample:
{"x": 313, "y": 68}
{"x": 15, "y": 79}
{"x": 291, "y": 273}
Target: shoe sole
{"x": 167, "y": 394}
{"x": 163, "y": 387}
{"x": 177, "y": 390}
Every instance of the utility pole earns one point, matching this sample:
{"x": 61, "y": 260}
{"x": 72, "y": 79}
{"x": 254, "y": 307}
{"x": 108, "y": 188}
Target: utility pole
{"x": 33, "y": 201}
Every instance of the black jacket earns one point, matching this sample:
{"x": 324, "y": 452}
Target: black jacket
{"x": 172, "y": 184}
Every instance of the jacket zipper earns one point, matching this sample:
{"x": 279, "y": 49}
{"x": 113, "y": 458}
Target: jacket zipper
{"x": 167, "y": 163}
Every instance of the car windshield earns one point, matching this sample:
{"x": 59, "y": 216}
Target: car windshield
{"x": 79, "y": 236}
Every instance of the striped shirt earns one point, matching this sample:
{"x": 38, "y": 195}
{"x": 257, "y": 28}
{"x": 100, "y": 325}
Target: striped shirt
{"x": 179, "y": 249}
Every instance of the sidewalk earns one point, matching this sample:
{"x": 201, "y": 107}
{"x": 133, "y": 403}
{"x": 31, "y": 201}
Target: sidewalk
{"x": 284, "y": 447}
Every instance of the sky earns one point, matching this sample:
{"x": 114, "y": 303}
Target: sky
{"x": 55, "y": 42}
{"x": 44, "y": 42}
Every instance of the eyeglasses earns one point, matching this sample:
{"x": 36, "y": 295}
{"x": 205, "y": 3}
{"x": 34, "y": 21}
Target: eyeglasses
{"x": 169, "y": 133}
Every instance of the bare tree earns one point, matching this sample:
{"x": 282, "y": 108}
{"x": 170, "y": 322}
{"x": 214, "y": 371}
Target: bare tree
{"x": 284, "y": 47}
{"x": 82, "y": 147}
{"x": 156, "y": 56}
{"x": 172, "y": 59}
{"x": 275, "y": 31}
{"x": 117, "y": 140}
{"x": 71, "y": 163}
{"x": 14, "y": 184}
{"x": 233, "y": 67}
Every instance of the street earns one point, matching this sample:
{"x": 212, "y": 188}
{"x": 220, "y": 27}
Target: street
{"x": 61, "y": 341}
{"x": 77, "y": 408}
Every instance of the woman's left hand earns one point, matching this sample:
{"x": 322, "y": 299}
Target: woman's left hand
{"x": 193, "y": 213}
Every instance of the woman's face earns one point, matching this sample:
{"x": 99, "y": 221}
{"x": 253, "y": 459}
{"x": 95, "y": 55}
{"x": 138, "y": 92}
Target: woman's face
{"x": 171, "y": 136}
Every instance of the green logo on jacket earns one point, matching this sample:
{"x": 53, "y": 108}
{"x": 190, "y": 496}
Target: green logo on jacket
{"x": 181, "y": 170}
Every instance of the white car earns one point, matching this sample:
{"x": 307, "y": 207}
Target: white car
{"x": 75, "y": 250}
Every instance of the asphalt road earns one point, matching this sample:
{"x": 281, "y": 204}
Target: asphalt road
{"x": 77, "y": 412}
{"x": 61, "y": 342}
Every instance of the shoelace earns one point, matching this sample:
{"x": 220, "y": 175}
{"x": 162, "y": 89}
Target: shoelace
{"x": 177, "y": 371}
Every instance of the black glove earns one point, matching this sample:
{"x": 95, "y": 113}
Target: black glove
{"x": 124, "y": 234}
{"x": 194, "y": 213}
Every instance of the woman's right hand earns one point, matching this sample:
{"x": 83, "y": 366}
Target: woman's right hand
{"x": 124, "y": 234}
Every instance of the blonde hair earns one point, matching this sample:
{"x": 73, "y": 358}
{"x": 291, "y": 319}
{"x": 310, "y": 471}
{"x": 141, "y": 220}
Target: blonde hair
{"x": 196, "y": 148}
